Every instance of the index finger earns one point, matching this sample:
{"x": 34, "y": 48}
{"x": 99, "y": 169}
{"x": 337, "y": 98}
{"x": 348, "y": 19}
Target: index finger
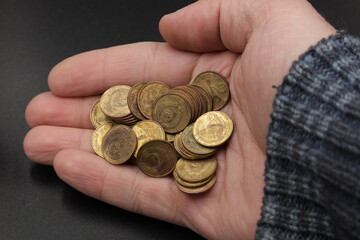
{"x": 93, "y": 72}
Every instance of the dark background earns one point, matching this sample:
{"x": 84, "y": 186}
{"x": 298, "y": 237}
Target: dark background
{"x": 34, "y": 36}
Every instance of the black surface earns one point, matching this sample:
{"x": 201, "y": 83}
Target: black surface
{"x": 34, "y": 36}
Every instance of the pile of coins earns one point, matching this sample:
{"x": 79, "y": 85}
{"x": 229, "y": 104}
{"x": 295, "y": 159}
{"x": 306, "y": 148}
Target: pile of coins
{"x": 165, "y": 130}
{"x": 195, "y": 176}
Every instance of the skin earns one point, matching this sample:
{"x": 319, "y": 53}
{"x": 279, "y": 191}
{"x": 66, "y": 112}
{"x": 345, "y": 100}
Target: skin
{"x": 251, "y": 42}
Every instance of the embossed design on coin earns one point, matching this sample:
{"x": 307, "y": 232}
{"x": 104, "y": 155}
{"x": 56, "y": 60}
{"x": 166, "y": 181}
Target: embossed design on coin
{"x": 157, "y": 158}
{"x": 97, "y": 116}
{"x": 213, "y": 128}
{"x": 146, "y": 131}
{"x": 196, "y": 170}
{"x": 217, "y": 85}
{"x": 192, "y": 145}
{"x": 172, "y": 112}
{"x": 98, "y": 136}
{"x": 113, "y": 102}
{"x": 148, "y": 95}
{"x": 119, "y": 144}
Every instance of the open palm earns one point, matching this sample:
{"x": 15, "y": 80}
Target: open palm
{"x": 253, "y": 49}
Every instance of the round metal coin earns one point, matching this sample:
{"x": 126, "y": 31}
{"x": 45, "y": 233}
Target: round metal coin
{"x": 213, "y": 128}
{"x": 218, "y": 87}
{"x": 97, "y": 116}
{"x": 192, "y": 145}
{"x": 113, "y": 102}
{"x": 157, "y": 158}
{"x": 172, "y": 112}
{"x": 119, "y": 144}
{"x": 196, "y": 170}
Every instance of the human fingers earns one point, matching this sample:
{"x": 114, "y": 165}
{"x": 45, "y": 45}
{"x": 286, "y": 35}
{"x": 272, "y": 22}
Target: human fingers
{"x": 42, "y": 143}
{"x": 93, "y": 72}
{"x": 124, "y": 186}
{"x": 49, "y": 109}
{"x": 214, "y": 25}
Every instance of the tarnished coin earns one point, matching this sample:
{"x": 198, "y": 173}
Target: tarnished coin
{"x": 213, "y": 128}
{"x": 197, "y": 190}
{"x": 196, "y": 170}
{"x": 172, "y": 112}
{"x": 190, "y": 184}
{"x": 192, "y": 145}
{"x": 148, "y": 95}
{"x": 97, "y": 116}
{"x": 132, "y": 100}
{"x": 98, "y": 136}
{"x": 178, "y": 144}
{"x": 119, "y": 144}
{"x": 157, "y": 158}
{"x": 217, "y": 85}
{"x": 113, "y": 102}
{"x": 146, "y": 131}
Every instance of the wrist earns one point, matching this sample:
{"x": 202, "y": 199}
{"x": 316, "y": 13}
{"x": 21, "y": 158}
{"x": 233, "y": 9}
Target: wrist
{"x": 290, "y": 30}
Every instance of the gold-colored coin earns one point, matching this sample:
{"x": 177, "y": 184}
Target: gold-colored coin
{"x": 190, "y": 184}
{"x": 157, "y": 158}
{"x": 128, "y": 120}
{"x": 146, "y": 131}
{"x": 197, "y": 190}
{"x": 184, "y": 152}
{"x": 192, "y": 145}
{"x": 114, "y": 101}
{"x": 97, "y": 116}
{"x": 213, "y": 128}
{"x": 217, "y": 85}
{"x": 132, "y": 100}
{"x": 169, "y": 137}
{"x": 172, "y": 112}
{"x": 196, "y": 170}
{"x": 98, "y": 136}
{"x": 119, "y": 144}
{"x": 177, "y": 144}
{"x": 148, "y": 95}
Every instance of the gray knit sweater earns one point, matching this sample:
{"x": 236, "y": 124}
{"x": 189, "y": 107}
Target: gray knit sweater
{"x": 313, "y": 168}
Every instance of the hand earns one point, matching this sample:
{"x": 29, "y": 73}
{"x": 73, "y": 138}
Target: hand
{"x": 251, "y": 42}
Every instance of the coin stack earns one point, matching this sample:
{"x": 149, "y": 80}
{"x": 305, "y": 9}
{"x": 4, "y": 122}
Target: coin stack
{"x": 195, "y": 176}
{"x": 186, "y": 145}
{"x": 157, "y": 125}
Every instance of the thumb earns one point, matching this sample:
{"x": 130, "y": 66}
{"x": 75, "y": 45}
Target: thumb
{"x": 208, "y": 25}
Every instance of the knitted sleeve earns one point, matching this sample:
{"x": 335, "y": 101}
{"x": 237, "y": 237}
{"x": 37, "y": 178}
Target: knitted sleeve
{"x": 312, "y": 170}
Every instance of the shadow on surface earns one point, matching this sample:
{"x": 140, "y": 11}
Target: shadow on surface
{"x": 94, "y": 213}
{"x": 109, "y": 216}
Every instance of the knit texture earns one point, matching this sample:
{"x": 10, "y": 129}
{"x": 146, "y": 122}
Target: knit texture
{"x": 312, "y": 170}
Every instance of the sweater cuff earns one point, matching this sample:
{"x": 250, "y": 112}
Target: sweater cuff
{"x": 313, "y": 158}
